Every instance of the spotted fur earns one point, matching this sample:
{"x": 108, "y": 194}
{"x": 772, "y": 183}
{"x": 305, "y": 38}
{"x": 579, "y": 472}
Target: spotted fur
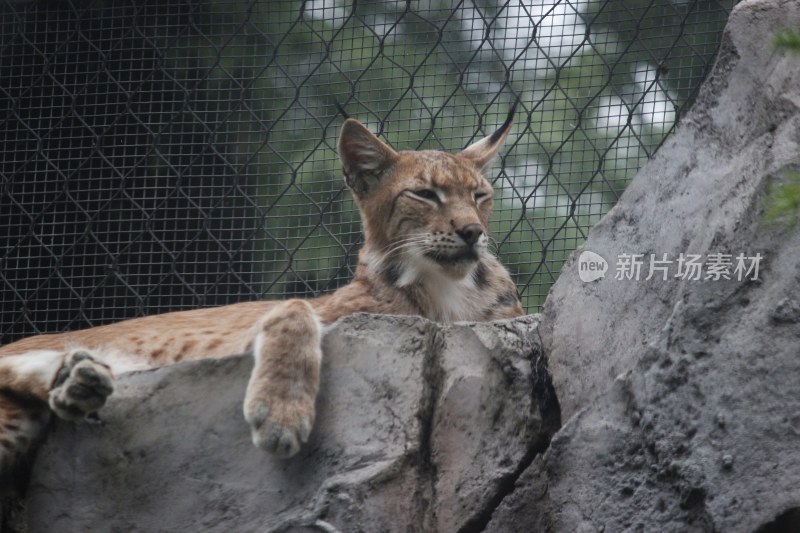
{"x": 425, "y": 219}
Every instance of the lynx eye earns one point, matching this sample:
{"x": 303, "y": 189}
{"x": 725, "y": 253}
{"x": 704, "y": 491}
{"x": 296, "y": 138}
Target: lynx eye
{"x": 480, "y": 196}
{"x": 426, "y": 194}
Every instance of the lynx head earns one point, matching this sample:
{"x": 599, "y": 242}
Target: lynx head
{"x": 423, "y": 212}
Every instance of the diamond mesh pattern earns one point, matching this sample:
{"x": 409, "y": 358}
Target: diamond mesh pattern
{"x": 165, "y": 155}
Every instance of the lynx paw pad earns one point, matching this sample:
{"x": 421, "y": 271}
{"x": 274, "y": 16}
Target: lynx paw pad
{"x": 281, "y": 430}
{"x": 82, "y": 386}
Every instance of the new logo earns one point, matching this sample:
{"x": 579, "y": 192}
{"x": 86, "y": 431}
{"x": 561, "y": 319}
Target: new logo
{"x": 591, "y": 266}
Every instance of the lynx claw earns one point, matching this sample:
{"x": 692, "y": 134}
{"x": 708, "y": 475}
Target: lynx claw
{"x": 82, "y": 386}
{"x": 283, "y": 440}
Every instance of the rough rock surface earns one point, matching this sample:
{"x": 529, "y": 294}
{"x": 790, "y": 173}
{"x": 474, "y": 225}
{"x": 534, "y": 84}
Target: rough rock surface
{"x": 700, "y": 191}
{"x": 420, "y": 427}
{"x": 680, "y": 398}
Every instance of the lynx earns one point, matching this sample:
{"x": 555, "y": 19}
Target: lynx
{"x": 425, "y": 217}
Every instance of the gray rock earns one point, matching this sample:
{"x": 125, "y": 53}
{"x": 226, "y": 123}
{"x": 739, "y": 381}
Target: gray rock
{"x": 698, "y": 193}
{"x": 419, "y": 428}
{"x": 681, "y": 397}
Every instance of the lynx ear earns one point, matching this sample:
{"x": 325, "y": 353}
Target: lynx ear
{"x": 484, "y": 151}
{"x": 364, "y": 157}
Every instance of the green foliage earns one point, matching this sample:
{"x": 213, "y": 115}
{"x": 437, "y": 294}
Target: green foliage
{"x": 788, "y": 40}
{"x": 782, "y": 203}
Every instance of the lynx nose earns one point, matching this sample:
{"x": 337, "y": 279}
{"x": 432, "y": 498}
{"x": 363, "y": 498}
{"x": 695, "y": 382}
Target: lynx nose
{"x": 470, "y": 233}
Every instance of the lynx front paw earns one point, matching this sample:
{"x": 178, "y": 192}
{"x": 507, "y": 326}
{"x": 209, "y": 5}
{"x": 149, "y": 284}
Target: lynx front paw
{"x": 81, "y": 387}
{"x": 280, "y": 426}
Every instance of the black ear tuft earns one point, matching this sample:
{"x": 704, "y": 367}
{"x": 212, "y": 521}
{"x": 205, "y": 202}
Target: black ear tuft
{"x": 342, "y": 110}
{"x": 483, "y": 152}
{"x": 498, "y": 134}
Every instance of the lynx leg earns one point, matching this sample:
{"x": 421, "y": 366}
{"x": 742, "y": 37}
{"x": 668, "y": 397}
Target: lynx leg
{"x": 30, "y": 375}
{"x": 73, "y": 383}
{"x": 22, "y": 424}
{"x": 279, "y": 403}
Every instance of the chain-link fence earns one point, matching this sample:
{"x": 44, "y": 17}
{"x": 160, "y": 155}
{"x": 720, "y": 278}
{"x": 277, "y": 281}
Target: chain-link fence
{"x": 170, "y": 154}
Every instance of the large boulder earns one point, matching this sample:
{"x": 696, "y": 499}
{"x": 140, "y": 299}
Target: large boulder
{"x": 420, "y": 427}
{"x": 680, "y": 397}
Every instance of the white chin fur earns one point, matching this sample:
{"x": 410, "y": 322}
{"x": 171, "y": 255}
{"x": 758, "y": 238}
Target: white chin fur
{"x": 418, "y": 267}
